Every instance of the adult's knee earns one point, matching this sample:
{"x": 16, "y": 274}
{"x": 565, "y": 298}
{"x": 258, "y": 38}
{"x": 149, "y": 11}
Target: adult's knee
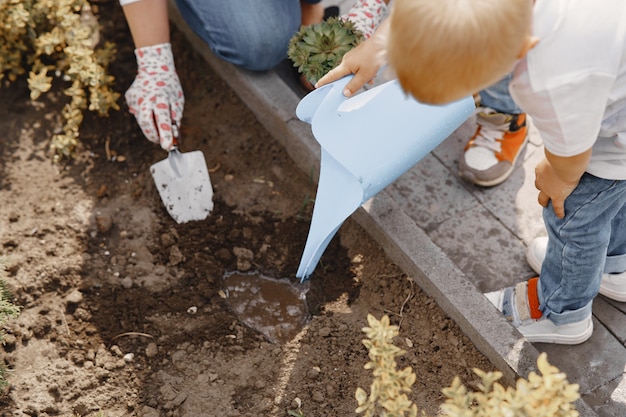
{"x": 263, "y": 50}
{"x": 254, "y": 37}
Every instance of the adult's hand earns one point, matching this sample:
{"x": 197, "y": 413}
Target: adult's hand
{"x": 156, "y": 96}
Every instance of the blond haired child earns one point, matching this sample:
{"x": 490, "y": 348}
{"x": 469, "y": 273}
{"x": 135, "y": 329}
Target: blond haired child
{"x": 569, "y": 75}
{"x": 453, "y": 52}
{"x": 501, "y": 131}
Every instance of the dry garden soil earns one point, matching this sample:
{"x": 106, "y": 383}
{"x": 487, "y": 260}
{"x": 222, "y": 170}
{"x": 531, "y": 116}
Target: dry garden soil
{"x": 125, "y": 312}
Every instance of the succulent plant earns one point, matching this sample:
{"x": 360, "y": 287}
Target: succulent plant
{"x": 316, "y": 49}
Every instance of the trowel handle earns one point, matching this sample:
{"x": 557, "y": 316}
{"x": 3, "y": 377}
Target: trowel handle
{"x": 175, "y": 136}
{"x": 177, "y": 163}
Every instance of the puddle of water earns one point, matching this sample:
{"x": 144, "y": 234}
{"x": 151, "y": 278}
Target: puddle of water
{"x": 276, "y": 308}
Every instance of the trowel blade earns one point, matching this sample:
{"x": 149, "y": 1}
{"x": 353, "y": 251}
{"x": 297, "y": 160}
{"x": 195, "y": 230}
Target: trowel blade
{"x": 184, "y": 185}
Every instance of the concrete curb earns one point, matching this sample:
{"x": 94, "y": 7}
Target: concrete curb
{"x": 273, "y": 102}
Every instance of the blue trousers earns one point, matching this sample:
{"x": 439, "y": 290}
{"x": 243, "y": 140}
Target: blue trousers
{"x": 252, "y": 34}
{"x": 588, "y": 241}
{"x": 497, "y": 97}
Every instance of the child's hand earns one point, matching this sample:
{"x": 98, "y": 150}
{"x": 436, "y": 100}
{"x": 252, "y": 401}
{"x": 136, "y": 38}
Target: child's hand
{"x": 363, "y": 61}
{"x": 552, "y": 188}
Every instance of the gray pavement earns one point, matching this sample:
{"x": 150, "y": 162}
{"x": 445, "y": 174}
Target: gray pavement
{"x": 456, "y": 240}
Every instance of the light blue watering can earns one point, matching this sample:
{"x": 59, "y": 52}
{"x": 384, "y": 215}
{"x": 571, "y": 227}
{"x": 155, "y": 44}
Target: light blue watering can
{"x": 367, "y": 141}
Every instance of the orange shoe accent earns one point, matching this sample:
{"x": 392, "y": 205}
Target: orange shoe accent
{"x": 533, "y": 299}
{"x": 489, "y": 156}
{"x": 513, "y": 140}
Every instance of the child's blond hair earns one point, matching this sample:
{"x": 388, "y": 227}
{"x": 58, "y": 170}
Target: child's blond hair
{"x": 444, "y": 50}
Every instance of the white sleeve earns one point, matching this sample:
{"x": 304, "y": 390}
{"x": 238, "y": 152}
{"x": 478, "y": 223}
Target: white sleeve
{"x": 125, "y": 2}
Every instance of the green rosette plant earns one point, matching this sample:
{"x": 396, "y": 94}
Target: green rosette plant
{"x": 316, "y": 49}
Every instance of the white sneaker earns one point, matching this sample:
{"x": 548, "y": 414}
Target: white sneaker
{"x": 490, "y": 155}
{"x": 612, "y": 286}
{"x": 536, "y": 253}
{"x": 520, "y": 305}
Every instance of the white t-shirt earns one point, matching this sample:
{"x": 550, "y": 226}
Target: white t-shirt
{"x": 573, "y": 82}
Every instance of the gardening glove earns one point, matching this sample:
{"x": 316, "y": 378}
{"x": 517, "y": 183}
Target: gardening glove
{"x": 367, "y": 15}
{"x": 156, "y": 96}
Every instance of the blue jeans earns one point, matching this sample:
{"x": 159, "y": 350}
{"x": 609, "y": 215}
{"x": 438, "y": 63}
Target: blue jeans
{"x": 252, "y": 34}
{"x": 497, "y": 97}
{"x": 589, "y": 240}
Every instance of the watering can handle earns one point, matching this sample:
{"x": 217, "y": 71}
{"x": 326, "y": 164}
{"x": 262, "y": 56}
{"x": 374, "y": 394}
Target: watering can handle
{"x": 330, "y": 94}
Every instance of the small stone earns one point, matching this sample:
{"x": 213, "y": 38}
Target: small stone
{"x": 314, "y": 372}
{"x": 243, "y": 265}
{"x": 149, "y": 412}
{"x": 325, "y": 331}
{"x": 168, "y": 393}
{"x": 179, "y": 400}
{"x": 176, "y": 256}
{"x": 152, "y": 350}
{"x": 202, "y": 379}
{"x": 179, "y": 356}
{"x": 116, "y": 350}
{"x": 104, "y": 223}
{"x": 167, "y": 240}
{"x": 74, "y": 297}
{"x": 318, "y": 397}
{"x": 243, "y": 253}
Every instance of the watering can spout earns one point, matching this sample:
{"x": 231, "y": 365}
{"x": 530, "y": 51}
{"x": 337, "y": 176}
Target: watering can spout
{"x": 367, "y": 141}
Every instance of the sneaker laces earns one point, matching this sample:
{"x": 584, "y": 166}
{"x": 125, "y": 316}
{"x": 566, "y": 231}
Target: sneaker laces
{"x": 490, "y": 133}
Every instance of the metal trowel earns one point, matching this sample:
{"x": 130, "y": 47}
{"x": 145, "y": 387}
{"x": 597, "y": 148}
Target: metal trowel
{"x": 184, "y": 185}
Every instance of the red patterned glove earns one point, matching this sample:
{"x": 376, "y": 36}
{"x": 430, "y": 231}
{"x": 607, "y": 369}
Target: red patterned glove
{"x": 367, "y": 15}
{"x": 156, "y": 96}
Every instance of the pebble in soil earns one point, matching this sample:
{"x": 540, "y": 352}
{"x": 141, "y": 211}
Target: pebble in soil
{"x": 276, "y": 308}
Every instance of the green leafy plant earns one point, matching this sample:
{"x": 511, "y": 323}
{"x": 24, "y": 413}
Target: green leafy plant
{"x": 545, "y": 394}
{"x": 316, "y": 49}
{"x": 58, "y": 37}
{"x": 7, "y": 311}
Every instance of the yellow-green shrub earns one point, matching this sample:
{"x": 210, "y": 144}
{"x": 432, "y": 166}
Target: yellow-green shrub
{"x": 58, "y": 37}
{"x": 544, "y": 394}
{"x": 7, "y": 310}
